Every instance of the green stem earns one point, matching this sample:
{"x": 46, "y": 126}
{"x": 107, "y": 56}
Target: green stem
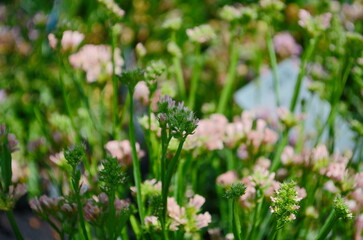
{"x": 280, "y": 147}
{"x": 236, "y": 221}
{"x": 306, "y": 57}
{"x": 114, "y": 86}
{"x": 178, "y": 70}
{"x": 14, "y": 225}
{"x": 80, "y": 210}
{"x": 226, "y": 92}
{"x": 272, "y": 55}
{"x": 195, "y": 77}
{"x": 327, "y": 226}
{"x": 135, "y": 160}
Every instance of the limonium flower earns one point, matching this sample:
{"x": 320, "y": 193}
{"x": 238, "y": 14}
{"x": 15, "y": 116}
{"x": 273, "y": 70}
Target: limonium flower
{"x": 11, "y": 138}
{"x": 314, "y": 25}
{"x": 342, "y": 209}
{"x": 96, "y": 61}
{"x": 201, "y": 34}
{"x": 178, "y": 119}
{"x": 227, "y": 178}
{"x": 122, "y": 151}
{"x": 71, "y": 40}
{"x": 285, "y": 45}
{"x": 285, "y": 203}
{"x": 172, "y": 23}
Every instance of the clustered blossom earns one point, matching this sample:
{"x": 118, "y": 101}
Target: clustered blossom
{"x": 69, "y": 42}
{"x": 142, "y": 92}
{"x": 285, "y": 45}
{"x": 314, "y": 25}
{"x": 201, "y": 34}
{"x": 341, "y": 209}
{"x": 285, "y": 203}
{"x": 122, "y": 151}
{"x": 187, "y": 218}
{"x": 96, "y": 61}
{"x": 176, "y": 118}
{"x": 217, "y": 133}
{"x": 113, "y": 7}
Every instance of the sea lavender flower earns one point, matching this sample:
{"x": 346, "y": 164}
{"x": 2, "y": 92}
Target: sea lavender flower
{"x": 96, "y": 61}
{"x": 341, "y": 209}
{"x": 201, "y": 34}
{"x": 122, "y": 151}
{"x": 177, "y": 118}
{"x": 227, "y": 178}
{"x": 9, "y": 138}
{"x": 336, "y": 171}
{"x": 285, "y": 203}
{"x": 142, "y": 92}
{"x": 71, "y": 40}
{"x": 285, "y": 45}
{"x": 173, "y": 23}
{"x": 314, "y": 25}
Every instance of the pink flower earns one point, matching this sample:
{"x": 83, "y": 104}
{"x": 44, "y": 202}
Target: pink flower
{"x": 91, "y": 212}
{"x": 227, "y": 178}
{"x": 304, "y": 17}
{"x": 151, "y": 221}
{"x": 285, "y": 45}
{"x": 197, "y": 202}
{"x": 142, "y": 92}
{"x": 203, "y": 220}
{"x": 52, "y": 40}
{"x": 358, "y": 227}
{"x": 122, "y": 151}
{"x": 96, "y": 61}
{"x": 336, "y": 171}
{"x": 71, "y": 40}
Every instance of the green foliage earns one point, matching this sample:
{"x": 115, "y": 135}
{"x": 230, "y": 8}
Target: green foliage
{"x": 111, "y": 175}
{"x": 235, "y": 191}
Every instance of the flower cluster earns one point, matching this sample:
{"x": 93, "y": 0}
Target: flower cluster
{"x": 187, "y": 218}
{"x": 122, "y": 151}
{"x": 96, "y": 61}
{"x": 201, "y": 34}
{"x": 285, "y": 203}
{"x": 178, "y": 119}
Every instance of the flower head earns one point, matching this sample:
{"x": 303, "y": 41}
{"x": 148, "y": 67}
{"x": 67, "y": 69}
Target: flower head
{"x": 285, "y": 203}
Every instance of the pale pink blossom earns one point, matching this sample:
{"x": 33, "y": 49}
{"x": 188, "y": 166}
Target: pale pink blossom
{"x": 330, "y": 187}
{"x": 227, "y": 178}
{"x": 52, "y": 40}
{"x": 96, "y": 61}
{"x": 71, "y": 40}
{"x": 304, "y": 17}
{"x": 285, "y": 45}
{"x": 197, "y": 202}
{"x": 336, "y": 171}
{"x": 142, "y": 92}
{"x": 122, "y": 151}
{"x": 203, "y": 220}
{"x": 91, "y": 212}
{"x": 151, "y": 221}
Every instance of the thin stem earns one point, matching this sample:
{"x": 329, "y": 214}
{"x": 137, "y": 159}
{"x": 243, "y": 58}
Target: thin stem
{"x": 226, "y": 92}
{"x": 306, "y": 57}
{"x": 80, "y": 210}
{"x": 327, "y": 226}
{"x": 135, "y": 160}
{"x": 14, "y": 225}
{"x": 272, "y": 55}
{"x": 236, "y": 221}
{"x": 195, "y": 77}
{"x": 178, "y": 70}
{"x": 114, "y": 86}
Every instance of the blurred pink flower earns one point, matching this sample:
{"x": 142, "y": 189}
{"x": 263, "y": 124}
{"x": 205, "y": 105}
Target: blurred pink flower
{"x": 71, "y": 40}
{"x": 122, "y": 151}
{"x": 142, "y": 92}
{"x": 227, "y": 178}
{"x": 285, "y": 45}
